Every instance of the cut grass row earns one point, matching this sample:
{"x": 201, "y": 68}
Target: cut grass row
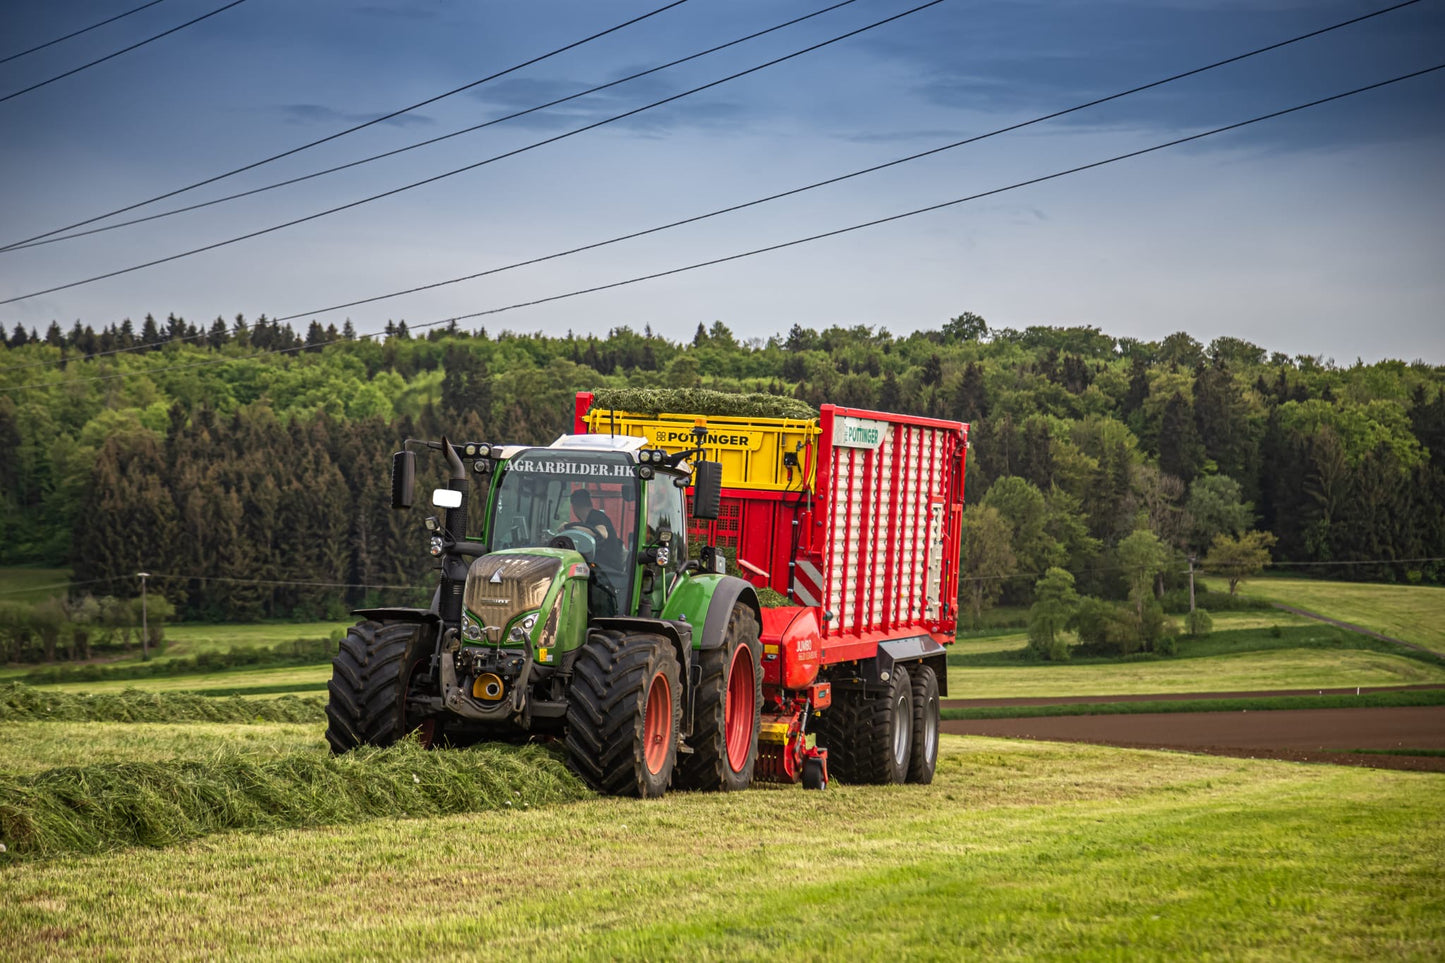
{"x": 30, "y": 747}
{"x": 22, "y": 703}
{"x": 99, "y": 807}
{"x": 288, "y": 679}
{"x": 1018, "y": 850}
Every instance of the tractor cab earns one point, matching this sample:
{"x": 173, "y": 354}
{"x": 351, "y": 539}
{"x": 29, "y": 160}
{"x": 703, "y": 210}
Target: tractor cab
{"x": 605, "y": 497}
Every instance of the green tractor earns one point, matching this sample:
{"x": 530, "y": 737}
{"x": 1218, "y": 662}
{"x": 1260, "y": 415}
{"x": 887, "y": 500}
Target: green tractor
{"x": 572, "y": 610}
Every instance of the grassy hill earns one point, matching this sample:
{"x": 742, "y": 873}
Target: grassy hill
{"x": 1412, "y": 613}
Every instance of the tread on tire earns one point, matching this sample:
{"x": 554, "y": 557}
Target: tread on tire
{"x": 708, "y": 767}
{"x": 606, "y": 712}
{"x": 860, "y": 734}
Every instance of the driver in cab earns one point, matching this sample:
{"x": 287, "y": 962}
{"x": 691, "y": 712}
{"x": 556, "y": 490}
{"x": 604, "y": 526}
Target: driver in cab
{"x": 593, "y": 519}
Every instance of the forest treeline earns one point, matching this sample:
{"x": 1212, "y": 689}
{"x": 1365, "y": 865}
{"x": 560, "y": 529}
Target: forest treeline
{"x": 236, "y": 460}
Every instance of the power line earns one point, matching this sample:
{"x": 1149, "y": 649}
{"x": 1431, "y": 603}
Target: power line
{"x": 76, "y": 33}
{"x": 279, "y": 581}
{"x": 112, "y": 56}
{"x": 357, "y": 127}
{"x": 433, "y": 140}
{"x": 843, "y": 177}
{"x": 53, "y": 585}
{"x": 793, "y": 243}
{"x": 469, "y": 167}
{"x": 725, "y": 210}
{"x": 934, "y": 207}
{"x": 215, "y": 578}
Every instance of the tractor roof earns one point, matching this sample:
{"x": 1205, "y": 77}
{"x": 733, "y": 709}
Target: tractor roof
{"x": 599, "y": 443}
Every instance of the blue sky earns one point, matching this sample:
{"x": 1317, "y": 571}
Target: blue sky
{"x": 1320, "y": 233}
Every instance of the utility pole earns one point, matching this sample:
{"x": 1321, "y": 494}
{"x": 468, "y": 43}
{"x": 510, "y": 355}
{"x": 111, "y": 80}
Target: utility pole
{"x": 144, "y": 631}
{"x": 1191, "y": 583}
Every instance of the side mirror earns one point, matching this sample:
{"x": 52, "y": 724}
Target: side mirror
{"x": 707, "y": 491}
{"x": 446, "y": 498}
{"x": 403, "y": 479}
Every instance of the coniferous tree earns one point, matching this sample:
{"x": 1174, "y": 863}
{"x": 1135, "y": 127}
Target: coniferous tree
{"x": 1181, "y": 453}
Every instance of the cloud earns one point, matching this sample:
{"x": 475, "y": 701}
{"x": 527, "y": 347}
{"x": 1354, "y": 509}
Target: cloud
{"x": 318, "y": 113}
{"x": 519, "y": 94}
{"x": 1033, "y": 58}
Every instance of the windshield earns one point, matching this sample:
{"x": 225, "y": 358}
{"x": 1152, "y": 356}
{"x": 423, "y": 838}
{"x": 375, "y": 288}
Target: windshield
{"x": 588, "y": 497}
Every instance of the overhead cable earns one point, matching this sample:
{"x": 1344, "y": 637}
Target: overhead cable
{"x": 353, "y": 129}
{"x": 786, "y": 244}
{"x": 76, "y": 33}
{"x": 736, "y": 207}
{"x": 473, "y": 166}
{"x": 433, "y": 140}
{"x": 112, "y": 56}
{"x": 840, "y": 178}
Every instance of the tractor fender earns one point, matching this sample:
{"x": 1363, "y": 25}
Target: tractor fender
{"x": 398, "y": 614}
{"x": 729, "y": 592}
{"x": 680, "y": 635}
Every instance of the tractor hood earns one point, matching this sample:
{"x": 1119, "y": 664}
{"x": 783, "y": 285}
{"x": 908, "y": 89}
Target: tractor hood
{"x": 507, "y": 589}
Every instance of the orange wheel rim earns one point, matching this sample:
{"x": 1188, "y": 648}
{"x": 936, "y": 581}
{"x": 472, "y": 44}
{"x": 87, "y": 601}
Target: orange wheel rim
{"x": 657, "y": 723}
{"x": 739, "y": 708}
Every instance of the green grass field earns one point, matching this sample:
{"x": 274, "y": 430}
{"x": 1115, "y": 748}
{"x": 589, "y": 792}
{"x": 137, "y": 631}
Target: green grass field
{"x": 1250, "y": 672}
{"x": 1243, "y": 654}
{"x": 26, "y": 584}
{"x": 27, "y": 747}
{"x": 291, "y": 678}
{"x": 193, "y": 638}
{"x": 1413, "y": 613}
{"x": 1018, "y": 850}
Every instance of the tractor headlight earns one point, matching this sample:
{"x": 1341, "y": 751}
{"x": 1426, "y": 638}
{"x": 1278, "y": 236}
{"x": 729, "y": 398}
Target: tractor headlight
{"x": 471, "y": 631}
{"x": 436, "y": 545}
{"x": 524, "y": 628}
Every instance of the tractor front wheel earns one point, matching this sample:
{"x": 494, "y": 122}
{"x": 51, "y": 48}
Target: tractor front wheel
{"x": 624, "y": 712}
{"x": 370, "y": 675}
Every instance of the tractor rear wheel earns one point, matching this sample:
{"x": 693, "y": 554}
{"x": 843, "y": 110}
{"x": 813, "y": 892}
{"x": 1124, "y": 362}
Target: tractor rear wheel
{"x": 370, "y": 675}
{"x": 924, "y": 757}
{"x": 727, "y": 713}
{"x": 623, "y": 713}
{"x": 869, "y": 735}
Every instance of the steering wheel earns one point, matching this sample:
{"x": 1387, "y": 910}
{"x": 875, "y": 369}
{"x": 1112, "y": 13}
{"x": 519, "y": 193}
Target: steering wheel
{"x": 578, "y": 538}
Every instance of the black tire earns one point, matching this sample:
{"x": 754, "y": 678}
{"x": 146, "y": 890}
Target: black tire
{"x": 923, "y": 757}
{"x": 370, "y": 673}
{"x": 813, "y": 775}
{"x": 613, "y": 682}
{"x": 869, "y": 735}
{"x": 710, "y": 766}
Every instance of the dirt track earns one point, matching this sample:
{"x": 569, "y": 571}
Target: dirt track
{"x": 1305, "y": 735}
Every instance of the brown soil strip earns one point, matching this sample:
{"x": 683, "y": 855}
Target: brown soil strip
{"x": 1304, "y": 735}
